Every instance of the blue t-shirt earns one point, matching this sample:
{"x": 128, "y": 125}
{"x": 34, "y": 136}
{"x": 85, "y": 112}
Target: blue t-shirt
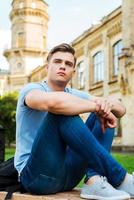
{"x": 29, "y": 120}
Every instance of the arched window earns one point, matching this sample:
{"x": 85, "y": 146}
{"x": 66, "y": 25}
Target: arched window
{"x": 19, "y": 65}
{"x": 117, "y": 49}
{"x": 98, "y": 67}
{"x": 81, "y": 76}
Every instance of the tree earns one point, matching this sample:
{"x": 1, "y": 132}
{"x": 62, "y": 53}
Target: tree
{"x": 8, "y": 104}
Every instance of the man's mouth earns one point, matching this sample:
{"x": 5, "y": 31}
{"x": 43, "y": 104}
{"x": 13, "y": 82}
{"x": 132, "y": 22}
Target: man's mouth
{"x": 61, "y": 73}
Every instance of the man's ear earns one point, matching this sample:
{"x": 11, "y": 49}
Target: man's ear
{"x": 46, "y": 67}
{"x": 74, "y": 71}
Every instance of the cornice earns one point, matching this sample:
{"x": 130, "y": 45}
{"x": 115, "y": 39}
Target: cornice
{"x": 115, "y": 29}
{"x": 28, "y": 11}
{"x": 20, "y": 51}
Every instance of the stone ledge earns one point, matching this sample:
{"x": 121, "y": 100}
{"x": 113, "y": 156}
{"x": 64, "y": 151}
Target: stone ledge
{"x": 72, "y": 195}
{"x": 123, "y": 148}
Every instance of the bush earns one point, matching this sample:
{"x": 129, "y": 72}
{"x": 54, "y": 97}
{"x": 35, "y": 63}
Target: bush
{"x": 8, "y": 104}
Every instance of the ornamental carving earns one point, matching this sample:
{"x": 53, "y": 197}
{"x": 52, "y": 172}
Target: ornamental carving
{"x": 125, "y": 77}
{"x": 115, "y": 29}
{"x": 29, "y": 11}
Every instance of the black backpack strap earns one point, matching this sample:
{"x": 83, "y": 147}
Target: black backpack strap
{"x": 10, "y": 190}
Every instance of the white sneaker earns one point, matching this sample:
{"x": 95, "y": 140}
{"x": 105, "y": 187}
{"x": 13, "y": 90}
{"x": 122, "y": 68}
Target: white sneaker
{"x": 102, "y": 190}
{"x": 128, "y": 185}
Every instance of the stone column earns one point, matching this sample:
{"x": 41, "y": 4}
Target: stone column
{"x": 126, "y": 82}
{"x": 126, "y": 72}
{"x": 128, "y": 22}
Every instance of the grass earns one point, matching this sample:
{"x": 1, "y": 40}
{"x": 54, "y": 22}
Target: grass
{"x": 126, "y": 160}
{"x": 9, "y": 152}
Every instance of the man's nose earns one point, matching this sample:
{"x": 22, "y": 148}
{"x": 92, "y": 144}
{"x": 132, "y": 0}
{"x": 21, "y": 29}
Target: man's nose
{"x": 63, "y": 67}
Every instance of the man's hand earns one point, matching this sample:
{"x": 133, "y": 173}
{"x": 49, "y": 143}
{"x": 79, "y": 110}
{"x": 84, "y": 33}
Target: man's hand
{"x": 110, "y": 121}
{"x": 111, "y": 104}
{"x": 103, "y": 110}
{"x": 103, "y": 107}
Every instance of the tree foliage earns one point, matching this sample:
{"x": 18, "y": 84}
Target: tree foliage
{"x": 8, "y": 104}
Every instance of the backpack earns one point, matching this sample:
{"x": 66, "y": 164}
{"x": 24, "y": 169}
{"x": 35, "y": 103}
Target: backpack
{"x": 9, "y": 178}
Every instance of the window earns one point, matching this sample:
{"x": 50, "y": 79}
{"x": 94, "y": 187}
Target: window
{"x": 19, "y": 65}
{"x": 117, "y": 49}
{"x": 98, "y": 67}
{"x": 20, "y": 39}
{"x": 81, "y": 76}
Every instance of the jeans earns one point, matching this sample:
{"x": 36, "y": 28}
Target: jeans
{"x": 66, "y": 149}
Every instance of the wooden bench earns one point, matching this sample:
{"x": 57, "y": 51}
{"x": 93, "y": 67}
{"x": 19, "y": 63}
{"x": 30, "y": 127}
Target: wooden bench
{"x": 73, "y": 195}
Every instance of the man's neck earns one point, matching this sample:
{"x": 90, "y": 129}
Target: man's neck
{"x": 55, "y": 87}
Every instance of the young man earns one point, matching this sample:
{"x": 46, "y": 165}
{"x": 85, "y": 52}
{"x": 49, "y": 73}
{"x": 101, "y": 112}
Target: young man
{"x": 55, "y": 148}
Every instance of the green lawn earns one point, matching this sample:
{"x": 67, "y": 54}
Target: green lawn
{"x": 9, "y": 152}
{"x": 127, "y": 160}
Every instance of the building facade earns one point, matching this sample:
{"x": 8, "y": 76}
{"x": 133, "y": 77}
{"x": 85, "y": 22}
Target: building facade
{"x": 104, "y": 52}
{"x": 105, "y": 64}
{"x": 97, "y": 51}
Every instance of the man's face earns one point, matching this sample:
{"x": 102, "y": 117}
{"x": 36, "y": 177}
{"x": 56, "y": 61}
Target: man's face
{"x": 61, "y": 67}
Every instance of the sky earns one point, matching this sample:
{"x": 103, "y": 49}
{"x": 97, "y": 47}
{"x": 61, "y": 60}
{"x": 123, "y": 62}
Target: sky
{"x": 67, "y": 20}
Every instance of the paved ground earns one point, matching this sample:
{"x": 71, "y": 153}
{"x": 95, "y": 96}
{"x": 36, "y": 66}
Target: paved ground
{"x": 74, "y": 195}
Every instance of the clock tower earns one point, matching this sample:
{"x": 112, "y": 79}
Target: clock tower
{"x": 29, "y": 25}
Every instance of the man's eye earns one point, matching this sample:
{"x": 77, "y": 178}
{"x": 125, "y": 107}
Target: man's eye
{"x": 69, "y": 64}
{"x": 57, "y": 61}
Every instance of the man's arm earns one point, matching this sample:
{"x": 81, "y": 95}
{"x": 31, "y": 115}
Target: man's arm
{"x": 59, "y": 103}
{"x": 64, "y": 103}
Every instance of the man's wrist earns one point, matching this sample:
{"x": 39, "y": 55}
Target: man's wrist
{"x": 97, "y": 107}
{"x": 92, "y": 107}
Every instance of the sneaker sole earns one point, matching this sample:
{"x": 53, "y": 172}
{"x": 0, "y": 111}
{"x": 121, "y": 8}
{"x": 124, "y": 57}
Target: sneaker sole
{"x": 104, "y": 198}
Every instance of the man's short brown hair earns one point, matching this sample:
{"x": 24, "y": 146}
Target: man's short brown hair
{"x": 62, "y": 48}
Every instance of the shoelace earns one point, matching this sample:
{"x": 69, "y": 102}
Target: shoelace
{"x": 103, "y": 182}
